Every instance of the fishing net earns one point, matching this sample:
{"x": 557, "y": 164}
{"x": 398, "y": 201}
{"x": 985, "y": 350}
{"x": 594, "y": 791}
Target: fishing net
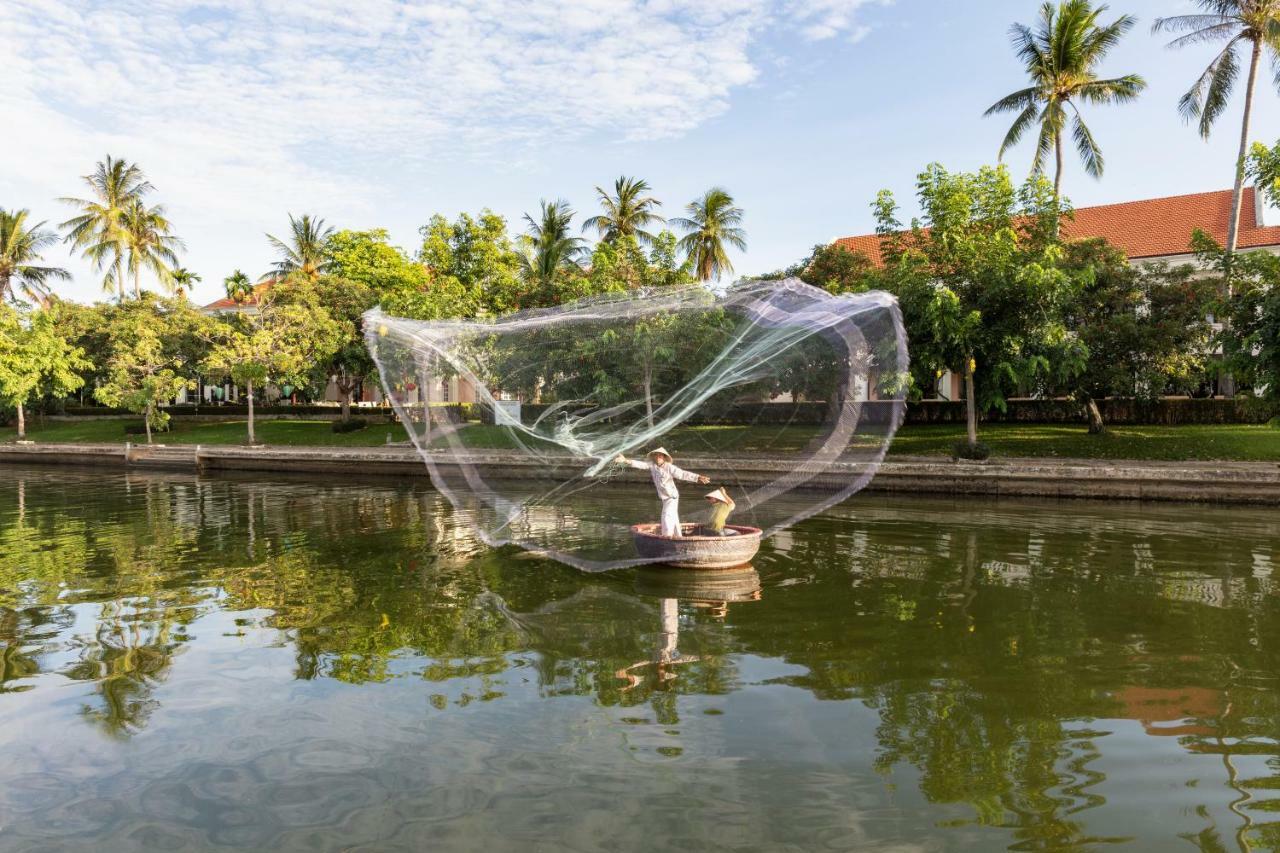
{"x": 784, "y": 395}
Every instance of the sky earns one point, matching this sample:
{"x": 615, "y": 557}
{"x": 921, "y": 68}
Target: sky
{"x": 380, "y": 113}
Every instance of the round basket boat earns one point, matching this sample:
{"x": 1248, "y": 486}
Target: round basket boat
{"x": 693, "y": 551}
{"x": 706, "y": 587}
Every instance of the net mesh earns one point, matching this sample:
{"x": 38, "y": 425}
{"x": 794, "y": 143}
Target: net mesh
{"x": 784, "y": 395}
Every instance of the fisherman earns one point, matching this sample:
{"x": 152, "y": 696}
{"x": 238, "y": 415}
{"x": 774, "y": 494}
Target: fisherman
{"x": 721, "y": 506}
{"x": 665, "y": 473}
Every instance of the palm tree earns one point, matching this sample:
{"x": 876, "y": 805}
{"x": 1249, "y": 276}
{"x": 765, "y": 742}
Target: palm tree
{"x": 626, "y": 213}
{"x": 150, "y": 244}
{"x": 238, "y": 286}
{"x": 306, "y": 251}
{"x": 549, "y": 247}
{"x": 183, "y": 279}
{"x": 1248, "y": 24}
{"x": 20, "y": 248}
{"x": 1061, "y": 57}
{"x": 712, "y": 225}
{"x": 98, "y": 230}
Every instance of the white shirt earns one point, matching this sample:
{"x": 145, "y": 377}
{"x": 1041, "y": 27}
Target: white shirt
{"x": 664, "y": 477}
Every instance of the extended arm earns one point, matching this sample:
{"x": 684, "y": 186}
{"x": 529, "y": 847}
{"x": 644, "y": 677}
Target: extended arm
{"x": 632, "y": 463}
{"x": 687, "y": 477}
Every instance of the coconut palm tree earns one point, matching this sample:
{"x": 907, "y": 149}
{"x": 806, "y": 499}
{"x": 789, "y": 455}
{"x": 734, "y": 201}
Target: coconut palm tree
{"x": 712, "y": 225}
{"x": 238, "y": 286}
{"x": 1061, "y": 57}
{"x": 305, "y": 252}
{"x": 149, "y": 244}
{"x": 626, "y": 213}
{"x": 97, "y": 231}
{"x": 549, "y": 248}
{"x": 1245, "y": 25}
{"x": 21, "y": 245}
{"x": 183, "y": 279}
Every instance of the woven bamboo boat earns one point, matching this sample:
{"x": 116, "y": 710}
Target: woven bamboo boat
{"x": 705, "y": 587}
{"x": 693, "y": 551}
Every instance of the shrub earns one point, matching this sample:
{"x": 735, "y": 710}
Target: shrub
{"x": 140, "y": 428}
{"x": 974, "y": 452}
{"x": 1274, "y": 423}
{"x": 350, "y": 426}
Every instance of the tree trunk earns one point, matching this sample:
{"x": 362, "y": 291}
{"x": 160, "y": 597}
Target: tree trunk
{"x": 249, "y": 390}
{"x": 22, "y": 422}
{"x": 346, "y": 405}
{"x": 970, "y": 405}
{"x": 648, "y": 392}
{"x": 1057, "y": 175}
{"x": 1057, "y": 182}
{"x": 1096, "y": 426}
{"x": 1237, "y": 199}
{"x": 137, "y": 283}
{"x": 146, "y": 420}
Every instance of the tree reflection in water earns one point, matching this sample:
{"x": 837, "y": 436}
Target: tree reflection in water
{"x": 1002, "y": 647}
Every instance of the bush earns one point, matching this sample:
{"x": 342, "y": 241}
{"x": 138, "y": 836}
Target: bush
{"x": 1274, "y": 423}
{"x": 352, "y": 425}
{"x": 974, "y": 452}
{"x": 140, "y": 428}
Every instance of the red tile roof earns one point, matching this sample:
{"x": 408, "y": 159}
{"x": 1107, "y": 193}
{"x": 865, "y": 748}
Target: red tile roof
{"x": 1150, "y": 228}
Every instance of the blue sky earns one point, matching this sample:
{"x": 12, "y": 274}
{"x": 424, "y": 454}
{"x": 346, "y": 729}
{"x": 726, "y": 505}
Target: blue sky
{"x": 380, "y": 113}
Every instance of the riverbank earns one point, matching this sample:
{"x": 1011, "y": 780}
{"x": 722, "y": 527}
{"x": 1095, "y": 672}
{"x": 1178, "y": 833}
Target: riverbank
{"x": 1216, "y": 482}
{"x": 1125, "y": 442}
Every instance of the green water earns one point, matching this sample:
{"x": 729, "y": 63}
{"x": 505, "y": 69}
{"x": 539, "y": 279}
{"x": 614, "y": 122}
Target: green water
{"x": 191, "y": 664}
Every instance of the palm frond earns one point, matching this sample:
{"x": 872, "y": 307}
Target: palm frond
{"x": 1018, "y": 100}
{"x": 1019, "y": 127}
{"x": 1208, "y": 96}
{"x": 1190, "y": 23}
{"x": 1087, "y": 147}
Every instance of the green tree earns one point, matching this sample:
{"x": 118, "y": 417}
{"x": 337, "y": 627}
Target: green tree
{"x": 1245, "y": 25}
{"x": 304, "y": 252}
{"x": 150, "y": 244}
{"x": 473, "y": 268}
{"x": 369, "y": 258}
{"x": 980, "y": 282}
{"x": 1144, "y": 328}
{"x": 1250, "y": 335}
{"x": 144, "y": 368}
{"x": 345, "y": 359}
{"x": 627, "y": 212}
{"x": 36, "y": 359}
{"x": 238, "y": 286}
{"x": 548, "y": 250}
{"x": 712, "y": 226}
{"x": 98, "y": 230}
{"x": 21, "y": 245}
{"x": 1061, "y": 57}
{"x": 281, "y": 342}
{"x": 183, "y": 280}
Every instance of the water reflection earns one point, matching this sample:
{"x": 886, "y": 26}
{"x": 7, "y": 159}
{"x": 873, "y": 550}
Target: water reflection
{"x": 323, "y": 666}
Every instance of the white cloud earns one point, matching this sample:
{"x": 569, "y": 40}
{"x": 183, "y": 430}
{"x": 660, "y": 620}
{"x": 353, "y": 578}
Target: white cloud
{"x": 288, "y": 98}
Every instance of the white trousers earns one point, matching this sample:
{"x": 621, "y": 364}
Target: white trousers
{"x": 670, "y": 522}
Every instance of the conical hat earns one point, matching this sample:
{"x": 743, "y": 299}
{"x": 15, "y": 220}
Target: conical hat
{"x": 661, "y": 450}
{"x": 720, "y": 495}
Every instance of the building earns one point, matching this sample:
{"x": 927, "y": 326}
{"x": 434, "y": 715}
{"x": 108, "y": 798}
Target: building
{"x": 1153, "y": 230}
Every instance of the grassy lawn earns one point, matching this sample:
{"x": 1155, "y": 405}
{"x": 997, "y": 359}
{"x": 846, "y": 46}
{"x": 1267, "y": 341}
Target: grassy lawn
{"x": 291, "y": 432}
{"x": 1217, "y": 442}
{"x": 1240, "y": 442}
{"x": 1227, "y": 442}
